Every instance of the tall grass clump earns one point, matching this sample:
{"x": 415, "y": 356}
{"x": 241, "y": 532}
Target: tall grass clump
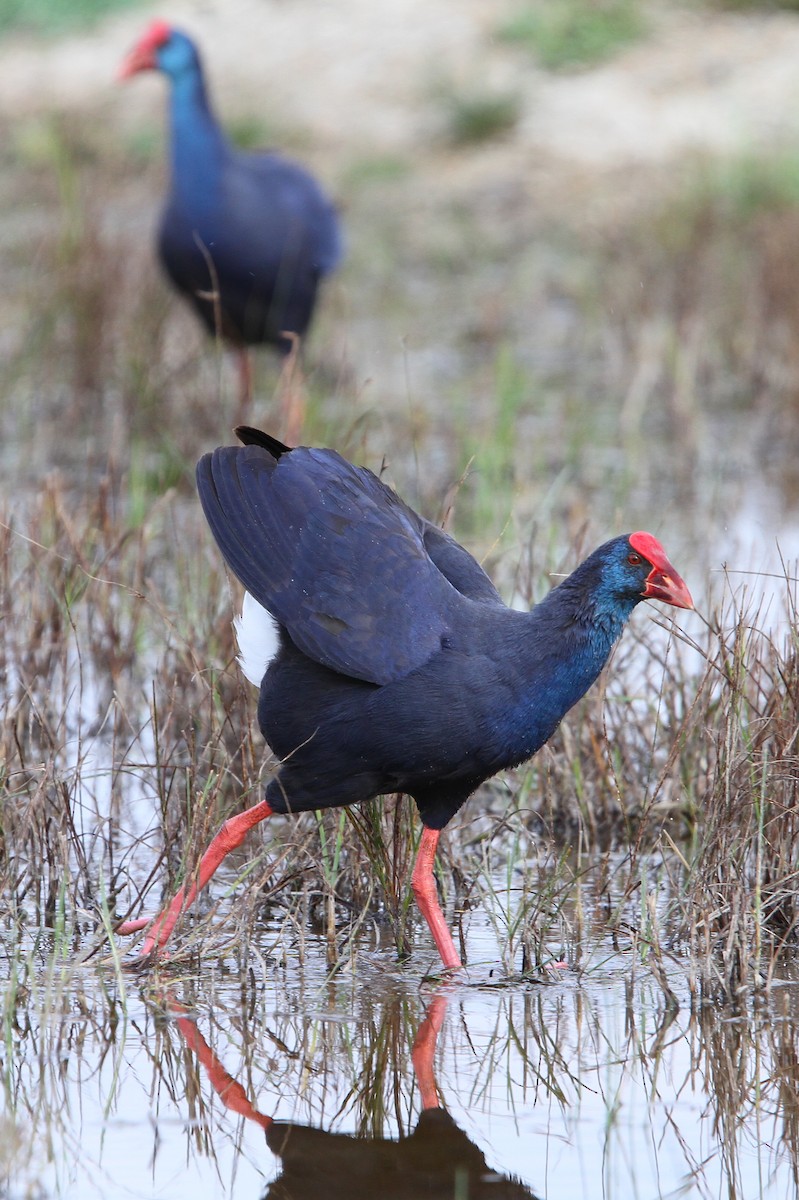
{"x": 105, "y": 711}
{"x": 742, "y": 913}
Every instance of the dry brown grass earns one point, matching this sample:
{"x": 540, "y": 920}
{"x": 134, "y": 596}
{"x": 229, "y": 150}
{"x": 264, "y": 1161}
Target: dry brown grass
{"x": 127, "y": 734}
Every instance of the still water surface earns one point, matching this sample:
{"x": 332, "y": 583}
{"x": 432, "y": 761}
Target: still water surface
{"x": 260, "y": 1079}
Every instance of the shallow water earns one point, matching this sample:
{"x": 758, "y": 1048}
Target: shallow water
{"x": 588, "y": 1083}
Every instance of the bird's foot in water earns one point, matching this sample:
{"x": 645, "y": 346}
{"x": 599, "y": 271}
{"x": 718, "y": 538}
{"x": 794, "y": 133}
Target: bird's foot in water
{"x": 152, "y": 950}
{"x": 133, "y": 926}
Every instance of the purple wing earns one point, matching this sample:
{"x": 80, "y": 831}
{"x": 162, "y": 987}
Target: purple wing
{"x": 337, "y": 558}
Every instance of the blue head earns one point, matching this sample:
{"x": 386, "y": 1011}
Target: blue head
{"x": 198, "y": 145}
{"x": 608, "y": 585}
{"x": 162, "y": 48}
{"x": 575, "y": 627}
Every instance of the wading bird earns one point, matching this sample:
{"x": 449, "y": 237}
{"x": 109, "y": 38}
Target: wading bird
{"x": 246, "y": 238}
{"x": 386, "y": 659}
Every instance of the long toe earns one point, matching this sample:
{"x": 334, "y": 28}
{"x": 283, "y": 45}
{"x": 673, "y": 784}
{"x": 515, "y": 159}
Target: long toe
{"x": 133, "y": 926}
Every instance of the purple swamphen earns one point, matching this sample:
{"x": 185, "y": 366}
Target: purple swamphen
{"x": 246, "y": 238}
{"x": 387, "y": 660}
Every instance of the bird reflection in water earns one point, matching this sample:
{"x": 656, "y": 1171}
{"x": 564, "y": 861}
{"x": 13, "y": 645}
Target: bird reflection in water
{"x": 436, "y": 1161}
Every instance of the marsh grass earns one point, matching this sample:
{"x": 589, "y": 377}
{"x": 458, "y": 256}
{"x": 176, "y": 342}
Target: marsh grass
{"x": 128, "y": 737}
{"x": 662, "y": 815}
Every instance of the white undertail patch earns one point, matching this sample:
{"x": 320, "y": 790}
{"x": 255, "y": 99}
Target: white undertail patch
{"x": 257, "y": 638}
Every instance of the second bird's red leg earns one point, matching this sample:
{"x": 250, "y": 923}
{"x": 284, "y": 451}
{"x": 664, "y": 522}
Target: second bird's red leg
{"x": 424, "y": 889}
{"x": 244, "y": 364}
{"x": 292, "y": 392}
{"x": 231, "y": 835}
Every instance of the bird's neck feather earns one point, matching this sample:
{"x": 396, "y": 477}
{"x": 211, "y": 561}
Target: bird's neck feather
{"x": 584, "y": 623}
{"x": 570, "y": 636}
{"x": 198, "y": 145}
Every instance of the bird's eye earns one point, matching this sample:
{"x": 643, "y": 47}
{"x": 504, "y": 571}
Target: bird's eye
{"x": 634, "y": 559}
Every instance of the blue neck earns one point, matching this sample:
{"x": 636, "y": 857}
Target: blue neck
{"x": 197, "y": 144}
{"x": 577, "y": 633}
{"x": 589, "y": 650}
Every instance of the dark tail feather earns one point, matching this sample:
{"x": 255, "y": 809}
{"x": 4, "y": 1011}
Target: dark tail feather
{"x": 256, "y": 437}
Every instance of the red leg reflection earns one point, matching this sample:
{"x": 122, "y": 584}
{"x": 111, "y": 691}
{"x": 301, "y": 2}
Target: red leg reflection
{"x": 233, "y": 1096}
{"x": 424, "y": 1049}
{"x": 230, "y": 1091}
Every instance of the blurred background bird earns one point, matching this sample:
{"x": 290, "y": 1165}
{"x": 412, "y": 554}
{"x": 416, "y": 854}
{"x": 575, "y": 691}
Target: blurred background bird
{"x": 246, "y": 238}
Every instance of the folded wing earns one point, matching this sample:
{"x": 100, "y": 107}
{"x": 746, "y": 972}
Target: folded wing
{"x": 361, "y": 584}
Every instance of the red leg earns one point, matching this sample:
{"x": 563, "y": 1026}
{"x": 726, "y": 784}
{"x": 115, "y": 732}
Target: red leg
{"x": 244, "y": 360}
{"x": 424, "y": 889}
{"x": 231, "y": 835}
{"x": 424, "y": 1048}
{"x": 291, "y": 390}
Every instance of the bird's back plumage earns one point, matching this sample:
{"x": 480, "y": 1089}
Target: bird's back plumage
{"x": 361, "y": 583}
{"x": 399, "y": 667}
